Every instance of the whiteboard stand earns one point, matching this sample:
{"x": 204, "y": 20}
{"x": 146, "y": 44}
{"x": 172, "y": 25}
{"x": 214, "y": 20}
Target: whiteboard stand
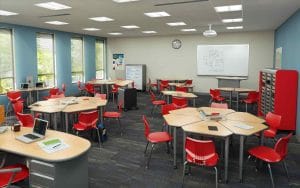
{"x": 137, "y": 73}
{"x": 230, "y": 81}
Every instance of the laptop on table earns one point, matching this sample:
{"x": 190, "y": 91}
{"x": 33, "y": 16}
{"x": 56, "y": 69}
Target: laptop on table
{"x": 39, "y": 131}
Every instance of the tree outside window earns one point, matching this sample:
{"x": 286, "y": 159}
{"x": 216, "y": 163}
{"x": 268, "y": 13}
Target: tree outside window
{"x": 77, "y": 59}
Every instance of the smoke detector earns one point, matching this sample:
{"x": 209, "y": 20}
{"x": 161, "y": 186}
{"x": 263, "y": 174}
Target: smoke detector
{"x": 210, "y": 32}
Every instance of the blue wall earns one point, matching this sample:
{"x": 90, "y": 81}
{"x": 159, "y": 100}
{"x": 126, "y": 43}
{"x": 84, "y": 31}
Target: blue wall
{"x": 26, "y": 59}
{"x": 287, "y": 36}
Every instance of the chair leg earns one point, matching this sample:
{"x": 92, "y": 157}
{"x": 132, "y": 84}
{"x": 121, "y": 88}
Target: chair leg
{"x": 271, "y": 176}
{"x": 246, "y": 107}
{"x": 146, "y": 147}
{"x": 183, "y": 173}
{"x": 99, "y": 138}
{"x": 168, "y": 147}
{"x": 152, "y": 146}
{"x": 286, "y": 170}
{"x": 216, "y": 170}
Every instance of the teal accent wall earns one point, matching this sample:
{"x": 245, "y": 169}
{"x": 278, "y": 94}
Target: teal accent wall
{"x": 25, "y": 59}
{"x": 287, "y": 36}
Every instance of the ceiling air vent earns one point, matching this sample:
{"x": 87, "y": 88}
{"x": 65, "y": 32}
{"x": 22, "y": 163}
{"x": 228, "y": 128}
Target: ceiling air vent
{"x": 55, "y": 15}
{"x": 180, "y": 2}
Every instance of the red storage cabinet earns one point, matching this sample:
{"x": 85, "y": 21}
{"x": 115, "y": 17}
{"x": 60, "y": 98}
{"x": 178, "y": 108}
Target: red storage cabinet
{"x": 278, "y": 93}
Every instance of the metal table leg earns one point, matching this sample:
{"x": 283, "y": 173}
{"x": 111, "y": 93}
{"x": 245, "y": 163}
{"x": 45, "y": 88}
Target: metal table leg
{"x": 230, "y": 99}
{"x": 55, "y": 121}
{"x": 241, "y": 158}
{"x": 174, "y": 146}
{"x": 183, "y": 147}
{"x": 226, "y": 159}
{"x": 237, "y": 101}
{"x": 194, "y": 102}
{"x": 67, "y": 122}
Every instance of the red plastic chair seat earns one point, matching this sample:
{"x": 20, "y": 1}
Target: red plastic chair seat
{"x": 112, "y": 115}
{"x": 157, "y": 137}
{"x": 81, "y": 127}
{"x": 23, "y": 174}
{"x": 269, "y": 133}
{"x": 249, "y": 101}
{"x": 265, "y": 153}
{"x": 208, "y": 161}
{"x": 159, "y": 102}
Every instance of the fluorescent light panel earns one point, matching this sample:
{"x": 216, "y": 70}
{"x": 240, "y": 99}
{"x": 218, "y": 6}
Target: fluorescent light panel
{"x": 52, "y": 6}
{"x": 124, "y": 1}
{"x": 230, "y": 8}
{"x": 115, "y": 33}
{"x": 157, "y": 14}
{"x": 57, "y": 23}
{"x": 176, "y": 23}
{"x": 7, "y": 13}
{"x": 235, "y": 27}
{"x": 232, "y": 20}
{"x": 130, "y": 26}
{"x": 102, "y": 19}
{"x": 149, "y": 32}
{"x": 188, "y": 30}
{"x": 91, "y": 29}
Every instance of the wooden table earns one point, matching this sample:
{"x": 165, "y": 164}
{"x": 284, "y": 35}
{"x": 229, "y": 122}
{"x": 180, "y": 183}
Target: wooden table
{"x": 188, "y": 86}
{"x": 34, "y": 89}
{"x": 180, "y": 94}
{"x": 101, "y": 83}
{"x": 55, "y": 168}
{"x": 171, "y": 80}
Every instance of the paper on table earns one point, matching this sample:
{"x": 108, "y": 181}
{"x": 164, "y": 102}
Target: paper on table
{"x": 52, "y": 145}
{"x": 244, "y": 126}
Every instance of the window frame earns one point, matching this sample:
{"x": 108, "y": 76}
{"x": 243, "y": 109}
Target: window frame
{"x": 83, "y": 62}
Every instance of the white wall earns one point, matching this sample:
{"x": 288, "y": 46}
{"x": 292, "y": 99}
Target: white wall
{"x": 165, "y": 62}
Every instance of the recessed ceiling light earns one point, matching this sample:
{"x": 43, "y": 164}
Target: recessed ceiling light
{"x": 235, "y": 27}
{"x": 232, "y": 20}
{"x": 124, "y": 1}
{"x": 91, "y": 29}
{"x": 115, "y": 33}
{"x": 52, "y": 6}
{"x": 130, "y": 26}
{"x": 102, "y": 19}
{"x": 188, "y": 30}
{"x": 57, "y": 23}
{"x": 176, "y": 23}
{"x": 157, "y": 14}
{"x": 7, "y": 13}
{"x": 230, "y": 8}
{"x": 149, "y": 32}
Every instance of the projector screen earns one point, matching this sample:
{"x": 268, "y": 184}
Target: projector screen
{"x": 223, "y": 60}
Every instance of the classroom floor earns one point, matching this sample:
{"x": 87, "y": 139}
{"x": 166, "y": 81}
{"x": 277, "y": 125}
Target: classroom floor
{"x": 121, "y": 161}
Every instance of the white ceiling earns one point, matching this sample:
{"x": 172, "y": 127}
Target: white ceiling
{"x": 257, "y": 15}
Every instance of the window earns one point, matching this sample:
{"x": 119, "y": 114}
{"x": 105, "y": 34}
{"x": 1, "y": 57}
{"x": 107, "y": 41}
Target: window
{"x": 77, "y": 59}
{"x": 6, "y": 61}
{"x": 99, "y": 59}
{"x": 45, "y": 59}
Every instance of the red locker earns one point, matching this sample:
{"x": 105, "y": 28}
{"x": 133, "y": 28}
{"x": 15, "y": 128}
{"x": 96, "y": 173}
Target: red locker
{"x": 278, "y": 91}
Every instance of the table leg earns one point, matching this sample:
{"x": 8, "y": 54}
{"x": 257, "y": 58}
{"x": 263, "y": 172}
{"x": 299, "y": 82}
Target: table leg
{"x": 241, "y": 158}
{"x": 174, "y": 146}
{"x": 67, "y": 122}
{"x": 226, "y": 159}
{"x": 183, "y": 147}
{"x": 101, "y": 114}
{"x": 194, "y": 102}
{"x": 37, "y": 95}
{"x": 55, "y": 121}
{"x": 230, "y": 99}
{"x": 237, "y": 101}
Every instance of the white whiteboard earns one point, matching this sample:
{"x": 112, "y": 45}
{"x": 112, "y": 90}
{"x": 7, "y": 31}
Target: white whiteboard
{"x": 223, "y": 60}
{"x": 135, "y": 73}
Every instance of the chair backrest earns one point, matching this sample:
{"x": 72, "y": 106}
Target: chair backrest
{"x": 180, "y": 88}
{"x": 89, "y": 88}
{"x": 214, "y": 93}
{"x": 153, "y": 98}
{"x": 26, "y": 120}
{"x": 115, "y": 87}
{"x": 13, "y": 95}
{"x": 219, "y": 105}
{"x": 281, "y": 146}
{"x": 163, "y": 84}
{"x": 53, "y": 91}
{"x": 253, "y": 96}
{"x": 147, "y": 126}
{"x": 200, "y": 149}
{"x": 88, "y": 118}
{"x": 165, "y": 109}
{"x": 101, "y": 96}
{"x": 188, "y": 82}
{"x": 18, "y": 107}
{"x": 179, "y": 102}
{"x": 273, "y": 120}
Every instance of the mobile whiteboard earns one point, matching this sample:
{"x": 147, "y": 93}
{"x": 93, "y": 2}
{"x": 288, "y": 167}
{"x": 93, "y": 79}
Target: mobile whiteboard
{"x": 223, "y": 60}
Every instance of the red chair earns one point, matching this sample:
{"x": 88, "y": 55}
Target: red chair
{"x": 154, "y": 138}
{"x": 188, "y": 82}
{"x": 13, "y": 174}
{"x": 163, "y": 85}
{"x": 182, "y": 88}
{"x": 155, "y": 102}
{"x": 273, "y": 121}
{"x": 270, "y": 155}
{"x": 114, "y": 91}
{"x": 115, "y": 115}
{"x": 87, "y": 121}
{"x": 13, "y": 97}
{"x": 101, "y": 96}
{"x": 80, "y": 88}
{"x": 219, "y": 105}
{"x": 151, "y": 85}
{"x": 215, "y": 95}
{"x": 52, "y": 91}
{"x": 179, "y": 102}
{"x": 26, "y": 120}
{"x": 252, "y": 98}
{"x": 18, "y": 107}
{"x": 165, "y": 109}
{"x": 89, "y": 88}
{"x": 200, "y": 153}
{"x": 62, "y": 95}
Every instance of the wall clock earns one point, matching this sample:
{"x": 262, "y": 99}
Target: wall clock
{"x": 176, "y": 44}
